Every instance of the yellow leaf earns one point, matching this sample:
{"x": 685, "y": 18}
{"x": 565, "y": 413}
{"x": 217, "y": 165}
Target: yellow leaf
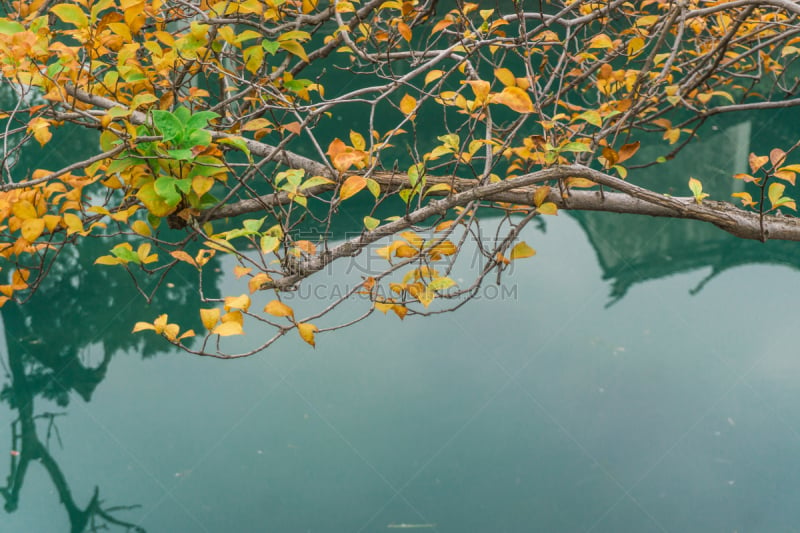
{"x": 293, "y": 47}
{"x": 358, "y": 140}
{"x": 24, "y": 210}
{"x": 203, "y": 257}
{"x": 505, "y": 76}
{"x": 351, "y": 186}
{"x": 171, "y": 331}
{"x": 142, "y": 326}
{"x": 601, "y": 41}
{"x": 307, "y": 331}
{"x": 522, "y": 250}
{"x": 108, "y": 260}
{"x": 407, "y": 104}
{"x": 237, "y": 302}
{"x": 183, "y": 256}
{"x": 426, "y": 296}
{"x": 202, "y": 184}
{"x": 278, "y": 308}
{"x": 383, "y": 307}
{"x": 541, "y": 195}
{"x": 756, "y": 162}
{"x": 240, "y": 271}
{"x": 480, "y": 88}
{"x": 143, "y": 253}
{"x": 32, "y": 228}
{"x": 634, "y": 45}
{"x": 139, "y": 226}
{"x": 257, "y": 124}
{"x": 257, "y": 281}
{"x": 433, "y": 75}
{"x": 209, "y": 317}
{"x": 405, "y": 250}
{"x": 51, "y": 222}
{"x": 233, "y": 316}
{"x": 515, "y": 98}
{"x": 73, "y": 223}
{"x": 580, "y": 183}
{"x": 548, "y": 208}
{"x": 227, "y": 329}
{"x": 41, "y": 130}
{"x": 400, "y": 310}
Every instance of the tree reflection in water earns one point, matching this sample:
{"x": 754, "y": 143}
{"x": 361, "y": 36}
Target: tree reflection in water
{"x": 82, "y": 305}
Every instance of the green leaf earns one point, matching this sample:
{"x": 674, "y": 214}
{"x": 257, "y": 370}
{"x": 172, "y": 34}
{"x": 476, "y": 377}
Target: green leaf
{"x": 165, "y": 189}
{"x": 406, "y": 195}
{"x": 373, "y": 187}
{"x": 182, "y": 154}
{"x": 775, "y": 194}
{"x": 125, "y": 252}
{"x": 200, "y": 120}
{"x": 253, "y": 225}
{"x": 208, "y": 201}
{"x": 371, "y": 223}
{"x": 184, "y": 185}
{"x": 575, "y": 147}
{"x": 440, "y": 284}
{"x": 271, "y": 46}
{"x": 153, "y": 220}
{"x": 167, "y": 124}
{"x": 183, "y": 115}
{"x": 697, "y": 190}
{"x": 198, "y": 138}
{"x": 238, "y": 143}
{"x": 314, "y": 181}
{"x": 269, "y": 244}
{"x": 71, "y": 14}
{"x": 10, "y": 27}
{"x": 416, "y": 173}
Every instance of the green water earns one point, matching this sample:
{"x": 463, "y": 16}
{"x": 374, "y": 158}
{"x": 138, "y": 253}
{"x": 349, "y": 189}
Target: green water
{"x": 637, "y": 375}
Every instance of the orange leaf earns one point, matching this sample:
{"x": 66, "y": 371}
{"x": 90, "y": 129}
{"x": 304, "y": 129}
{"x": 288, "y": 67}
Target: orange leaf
{"x": 515, "y": 98}
{"x": 183, "y": 256}
{"x": 240, "y": 271}
{"x": 756, "y": 162}
{"x": 351, "y": 186}
{"x": 345, "y": 160}
{"x": 777, "y": 157}
{"x": 626, "y": 151}
{"x": 257, "y": 281}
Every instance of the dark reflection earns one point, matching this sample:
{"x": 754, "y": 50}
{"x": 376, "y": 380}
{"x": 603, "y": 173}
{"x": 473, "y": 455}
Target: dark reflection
{"x": 633, "y": 250}
{"x": 79, "y": 306}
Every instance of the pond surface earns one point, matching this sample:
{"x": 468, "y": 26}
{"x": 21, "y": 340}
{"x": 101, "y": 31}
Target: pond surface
{"x": 636, "y": 375}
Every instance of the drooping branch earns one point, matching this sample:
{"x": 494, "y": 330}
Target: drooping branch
{"x": 630, "y": 198}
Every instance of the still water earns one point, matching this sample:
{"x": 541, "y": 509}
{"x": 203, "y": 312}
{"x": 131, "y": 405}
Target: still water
{"x": 637, "y": 375}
